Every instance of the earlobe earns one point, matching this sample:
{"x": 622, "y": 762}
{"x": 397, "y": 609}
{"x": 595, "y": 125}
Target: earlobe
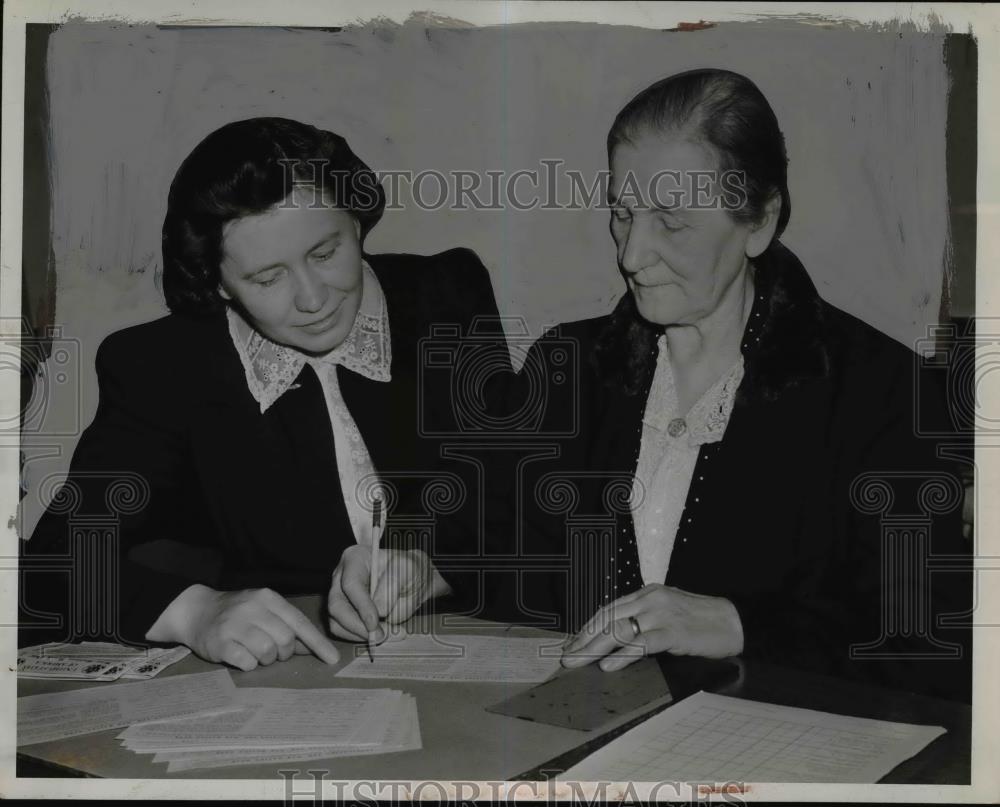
{"x": 225, "y": 295}
{"x": 762, "y": 233}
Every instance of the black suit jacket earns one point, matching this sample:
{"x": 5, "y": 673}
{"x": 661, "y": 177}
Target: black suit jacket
{"x": 802, "y": 515}
{"x": 186, "y": 481}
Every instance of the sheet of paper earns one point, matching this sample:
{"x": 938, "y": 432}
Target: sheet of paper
{"x": 275, "y": 718}
{"x": 403, "y": 734}
{"x": 461, "y": 658}
{"x": 714, "y": 738}
{"x": 53, "y": 716}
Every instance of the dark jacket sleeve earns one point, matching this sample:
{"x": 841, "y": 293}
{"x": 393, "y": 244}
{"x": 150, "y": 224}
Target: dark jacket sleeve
{"x": 127, "y": 485}
{"x": 803, "y": 625}
{"x": 879, "y": 552}
{"x": 910, "y": 623}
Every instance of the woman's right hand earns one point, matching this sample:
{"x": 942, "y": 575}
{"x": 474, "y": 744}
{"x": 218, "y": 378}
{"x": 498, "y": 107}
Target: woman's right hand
{"x": 243, "y": 628}
{"x": 406, "y": 580}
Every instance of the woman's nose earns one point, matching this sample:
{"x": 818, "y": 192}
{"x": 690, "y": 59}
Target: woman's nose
{"x": 310, "y": 292}
{"x": 638, "y": 252}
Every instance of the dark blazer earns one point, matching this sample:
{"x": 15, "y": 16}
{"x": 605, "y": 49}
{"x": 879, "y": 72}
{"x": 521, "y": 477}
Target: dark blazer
{"x": 794, "y": 516}
{"x": 210, "y": 490}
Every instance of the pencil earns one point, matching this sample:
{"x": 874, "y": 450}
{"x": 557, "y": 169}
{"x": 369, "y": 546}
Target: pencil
{"x": 373, "y": 576}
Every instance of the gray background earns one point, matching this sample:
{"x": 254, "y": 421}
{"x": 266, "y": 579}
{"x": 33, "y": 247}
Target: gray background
{"x": 864, "y": 113}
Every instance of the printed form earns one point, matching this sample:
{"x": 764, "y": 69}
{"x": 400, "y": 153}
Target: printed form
{"x": 54, "y": 716}
{"x": 449, "y": 657}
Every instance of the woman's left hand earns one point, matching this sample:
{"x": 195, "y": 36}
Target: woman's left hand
{"x": 668, "y": 619}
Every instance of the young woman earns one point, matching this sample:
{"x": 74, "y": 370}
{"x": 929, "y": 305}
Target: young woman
{"x": 258, "y": 418}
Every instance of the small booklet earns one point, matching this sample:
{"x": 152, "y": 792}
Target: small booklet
{"x": 95, "y": 661}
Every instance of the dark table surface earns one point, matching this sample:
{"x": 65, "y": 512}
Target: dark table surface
{"x": 461, "y": 740}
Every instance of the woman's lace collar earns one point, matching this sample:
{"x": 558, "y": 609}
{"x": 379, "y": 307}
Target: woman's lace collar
{"x": 707, "y": 420}
{"x": 271, "y": 368}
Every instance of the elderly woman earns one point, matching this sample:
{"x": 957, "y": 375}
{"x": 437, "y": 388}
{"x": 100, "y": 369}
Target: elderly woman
{"x": 752, "y": 418}
{"x": 261, "y": 413}
{"x": 727, "y": 434}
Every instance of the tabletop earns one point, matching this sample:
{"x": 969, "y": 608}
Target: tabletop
{"x": 463, "y": 741}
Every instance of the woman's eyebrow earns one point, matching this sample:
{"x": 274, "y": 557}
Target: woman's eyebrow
{"x": 672, "y": 209}
{"x": 324, "y": 240}
{"x": 616, "y": 202}
{"x": 255, "y": 272}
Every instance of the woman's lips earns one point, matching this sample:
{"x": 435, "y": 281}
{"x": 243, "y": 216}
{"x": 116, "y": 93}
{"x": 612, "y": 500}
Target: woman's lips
{"x": 321, "y": 325}
{"x": 644, "y": 281}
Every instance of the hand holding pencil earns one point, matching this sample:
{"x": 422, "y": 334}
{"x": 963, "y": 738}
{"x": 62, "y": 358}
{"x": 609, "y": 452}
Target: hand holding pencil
{"x": 371, "y": 583}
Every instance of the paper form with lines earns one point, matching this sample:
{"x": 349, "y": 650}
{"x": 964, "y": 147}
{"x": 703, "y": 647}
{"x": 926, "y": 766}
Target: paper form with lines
{"x": 714, "y": 738}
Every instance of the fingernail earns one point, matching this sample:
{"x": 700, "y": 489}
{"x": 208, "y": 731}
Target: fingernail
{"x": 610, "y": 665}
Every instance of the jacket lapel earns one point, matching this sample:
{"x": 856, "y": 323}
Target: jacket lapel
{"x": 246, "y": 469}
{"x": 617, "y": 441}
{"x": 792, "y": 347}
{"x": 270, "y": 479}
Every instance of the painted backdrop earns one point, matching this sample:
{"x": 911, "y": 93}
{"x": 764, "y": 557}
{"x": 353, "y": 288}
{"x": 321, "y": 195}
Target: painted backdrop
{"x": 863, "y": 111}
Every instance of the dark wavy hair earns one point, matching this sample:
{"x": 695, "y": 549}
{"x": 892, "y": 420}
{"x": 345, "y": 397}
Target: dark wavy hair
{"x": 245, "y": 168}
{"x": 729, "y": 113}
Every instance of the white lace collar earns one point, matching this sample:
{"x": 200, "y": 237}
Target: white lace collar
{"x": 271, "y": 368}
{"x": 707, "y": 420}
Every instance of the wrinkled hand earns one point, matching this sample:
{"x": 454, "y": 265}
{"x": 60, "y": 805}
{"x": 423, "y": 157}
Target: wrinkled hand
{"x": 669, "y": 620}
{"x": 406, "y": 580}
{"x": 243, "y": 628}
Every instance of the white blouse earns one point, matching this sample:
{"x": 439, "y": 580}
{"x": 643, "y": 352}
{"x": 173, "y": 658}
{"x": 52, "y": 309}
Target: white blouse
{"x": 272, "y": 368}
{"x": 668, "y": 451}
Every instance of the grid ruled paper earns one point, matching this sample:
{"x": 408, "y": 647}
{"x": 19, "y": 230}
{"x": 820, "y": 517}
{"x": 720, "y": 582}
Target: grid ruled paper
{"x": 714, "y": 738}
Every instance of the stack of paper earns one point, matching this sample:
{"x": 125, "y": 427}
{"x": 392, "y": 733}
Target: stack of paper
{"x": 95, "y": 661}
{"x": 451, "y": 658}
{"x": 55, "y": 716}
{"x": 283, "y": 725}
